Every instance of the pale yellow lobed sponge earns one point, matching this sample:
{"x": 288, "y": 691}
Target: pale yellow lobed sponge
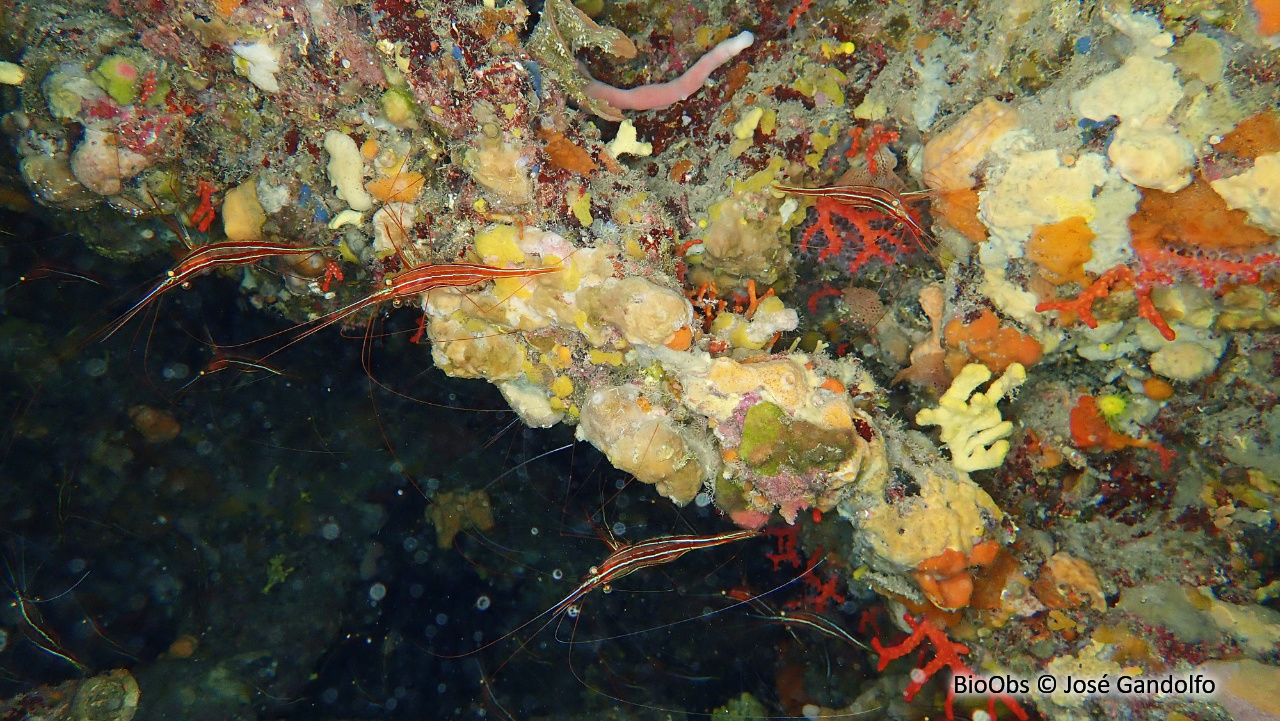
{"x": 971, "y": 424}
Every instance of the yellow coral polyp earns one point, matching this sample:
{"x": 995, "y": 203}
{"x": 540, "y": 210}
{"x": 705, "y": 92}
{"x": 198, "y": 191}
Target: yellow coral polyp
{"x": 769, "y": 306}
{"x": 570, "y": 274}
{"x": 562, "y": 387}
{"x": 507, "y": 288}
{"x": 756, "y": 182}
{"x": 560, "y": 357}
{"x": 820, "y": 144}
{"x": 497, "y": 245}
{"x": 475, "y": 325}
{"x": 579, "y": 203}
{"x": 740, "y": 338}
{"x": 722, "y": 323}
{"x": 1111, "y": 405}
{"x": 599, "y": 357}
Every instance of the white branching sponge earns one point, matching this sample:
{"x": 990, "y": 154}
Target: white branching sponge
{"x": 971, "y": 424}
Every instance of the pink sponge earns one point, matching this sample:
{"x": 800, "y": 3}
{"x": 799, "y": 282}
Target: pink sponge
{"x": 660, "y": 95}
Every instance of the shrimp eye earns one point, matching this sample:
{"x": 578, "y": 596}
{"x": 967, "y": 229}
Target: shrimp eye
{"x": 592, "y": 571}
{"x": 606, "y": 588}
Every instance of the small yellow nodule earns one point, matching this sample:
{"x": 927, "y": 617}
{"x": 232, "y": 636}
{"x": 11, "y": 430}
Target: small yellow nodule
{"x": 1111, "y": 405}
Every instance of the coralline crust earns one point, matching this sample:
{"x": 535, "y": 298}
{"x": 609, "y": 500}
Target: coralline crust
{"x": 642, "y": 439}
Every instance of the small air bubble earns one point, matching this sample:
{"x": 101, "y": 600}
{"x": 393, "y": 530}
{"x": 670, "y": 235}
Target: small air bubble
{"x": 572, "y": 611}
{"x": 330, "y": 696}
{"x": 95, "y": 367}
{"x": 441, "y": 688}
{"x": 557, "y": 574}
{"x": 919, "y": 676}
{"x": 410, "y": 543}
{"x": 619, "y": 529}
{"x": 620, "y": 484}
{"x": 330, "y": 531}
{"x": 442, "y": 619}
{"x": 433, "y": 483}
{"x": 702, "y": 500}
{"x": 377, "y": 592}
{"x": 175, "y": 371}
{"x": 482, "y": 603}
{"x": 416, "y": 590}
{"x": 533, "y": 531}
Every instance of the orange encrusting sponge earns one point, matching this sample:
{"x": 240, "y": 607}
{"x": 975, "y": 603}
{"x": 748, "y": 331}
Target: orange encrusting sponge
{"x": 225, "y": 8}
{"x": 1062, "y": 249}
{"x": 1257, "y": 135}
{"x": 1268, "y": 16}
{"x": 959, "y": 208}
{"x": 1089, "y": 429}
{"x": 993, "y": 346}
{"x": 945, "y": 578}
{"x": 1195, "y": 216}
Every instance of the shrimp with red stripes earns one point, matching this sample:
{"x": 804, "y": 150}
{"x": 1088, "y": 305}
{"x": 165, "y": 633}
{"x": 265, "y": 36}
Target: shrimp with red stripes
{"x": 204, "y": 259}
{"x": 625, "y": 560}
{"x": 868, "y": 197}
{"x": 416, "y": 281}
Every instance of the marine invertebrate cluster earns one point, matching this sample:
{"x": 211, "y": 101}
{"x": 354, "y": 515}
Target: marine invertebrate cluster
{"x": 971, "y": 424}
{"x": 670, "y": 283}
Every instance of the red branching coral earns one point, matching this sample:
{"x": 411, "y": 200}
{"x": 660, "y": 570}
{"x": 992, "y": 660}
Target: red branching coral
{"x": 826, "y": 291}
{"x": 946, "y": 654}
{"x": 842, "y": 223}
{"x": 797, "y": 12}
{"x": 1188, "y": 233}
{"x": 822, "y": 593}
{"x": 1142, "y": 282}
{"x": 874, "y": 141}
{"x": 1166, "y": 259}
{"x": 787, "y": 537}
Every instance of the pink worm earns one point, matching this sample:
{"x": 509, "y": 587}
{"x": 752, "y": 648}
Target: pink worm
{"x": 660, "y": 95}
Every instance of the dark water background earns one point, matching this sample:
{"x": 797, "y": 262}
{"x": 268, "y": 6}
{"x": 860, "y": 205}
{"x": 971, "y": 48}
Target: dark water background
{"x": 114, "y": 548}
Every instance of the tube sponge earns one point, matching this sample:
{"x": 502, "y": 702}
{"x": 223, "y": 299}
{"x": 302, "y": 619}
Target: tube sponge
{"x": 971, "y": 424}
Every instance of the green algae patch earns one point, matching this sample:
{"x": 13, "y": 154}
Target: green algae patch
{"x": 118, "y": 76}
{"x": 771, "y": 439}
{"x": 729, "y": 497}
{"x": 740, "y": 709}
